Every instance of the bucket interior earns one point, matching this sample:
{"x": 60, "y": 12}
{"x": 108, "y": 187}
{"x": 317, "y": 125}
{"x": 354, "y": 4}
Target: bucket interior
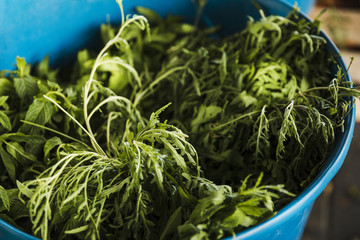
{"x": 62, "y": 29}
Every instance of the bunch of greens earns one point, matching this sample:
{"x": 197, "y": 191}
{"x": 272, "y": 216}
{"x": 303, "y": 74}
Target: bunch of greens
{"x": 260, "y": 101}
{"x": 91, "y": 159}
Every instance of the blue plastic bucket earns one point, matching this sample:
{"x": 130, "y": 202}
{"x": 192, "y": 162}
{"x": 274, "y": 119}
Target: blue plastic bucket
{"x": 33, "y": 29}
{"x": 304, "y": 5}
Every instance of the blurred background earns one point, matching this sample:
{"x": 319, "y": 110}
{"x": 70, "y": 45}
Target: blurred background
{"x": 336, "y": 213}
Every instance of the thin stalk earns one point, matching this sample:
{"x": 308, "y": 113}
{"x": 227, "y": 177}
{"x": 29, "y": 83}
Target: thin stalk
{"x": 140, "y": 95}
{"x": 99, "y": 59}
{"x": 96, "y": 145}
{"x": 56, "y": 132}
{"x": 234, "y": 120}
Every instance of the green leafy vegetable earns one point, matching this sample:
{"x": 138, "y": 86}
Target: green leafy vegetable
{"x": 4, "y": 199}
{"x": 93, "y": 159}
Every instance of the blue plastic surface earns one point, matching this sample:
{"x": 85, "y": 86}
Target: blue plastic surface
{"x": 33, "y": 29}
{"x": 304, "y": 5}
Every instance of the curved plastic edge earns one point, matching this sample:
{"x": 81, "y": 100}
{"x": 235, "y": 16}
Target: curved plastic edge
{"x": 332, "y": 166}
{"x": 306, "y": 198}
{"x": 11, "y": 232}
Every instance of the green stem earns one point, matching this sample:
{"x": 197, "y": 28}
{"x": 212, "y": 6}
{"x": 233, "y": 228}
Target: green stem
{"x": 57, "y": 132}
{"x": 234, "y": 120}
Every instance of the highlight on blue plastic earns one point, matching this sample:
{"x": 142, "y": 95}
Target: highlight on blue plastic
{"x": 304, "y": 5}
{"x": 33, "y": 29}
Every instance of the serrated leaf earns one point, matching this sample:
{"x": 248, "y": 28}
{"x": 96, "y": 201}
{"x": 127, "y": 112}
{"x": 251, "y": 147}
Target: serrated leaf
{"x": 187, "y": 230}
{"x": 50, "y": 144}
{"x": 21, "y": 65}
{"x": 9, "y": 162}
{"x": 16, "y": 150}
{"x": 172, "y": 224}
{"x": 44, "y": 66}
{"x": 24, "y": 190}
{"x": 40, "y": 112}
{"x": 3, "y": 99}
{"x": 4, "y": 198}
{"x": 238, "y": 218}
{"x": 19, "y": 210}
{"x": 26, "y": 88}
{"x": 244, "y": 98}
{"x": 6, "y": 87}
{"x": 5, "y": 121}
{"x": 21, "y": 137}
{"x": 253, "y": 210}
{"x": 177, "y": 157}
{"x": 269, "y": 204}
{"x": 205, "y": 114}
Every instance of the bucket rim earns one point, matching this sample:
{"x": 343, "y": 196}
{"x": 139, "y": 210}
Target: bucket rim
{"x": 308, "y": 196}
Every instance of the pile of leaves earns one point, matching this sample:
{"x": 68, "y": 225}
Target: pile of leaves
{"x": 90, "y": 158}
